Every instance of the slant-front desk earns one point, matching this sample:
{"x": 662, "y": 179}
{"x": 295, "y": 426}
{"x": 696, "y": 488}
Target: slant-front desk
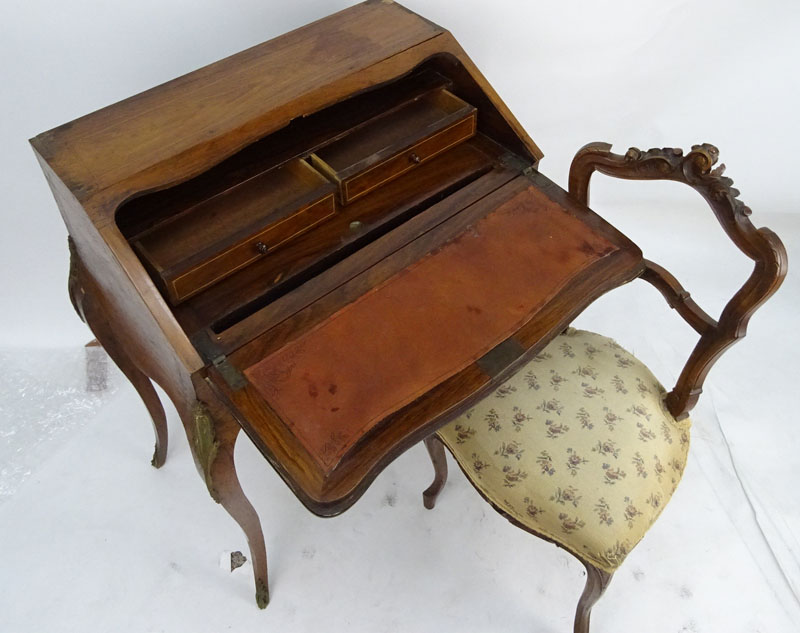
{"x": 336, "y": 241}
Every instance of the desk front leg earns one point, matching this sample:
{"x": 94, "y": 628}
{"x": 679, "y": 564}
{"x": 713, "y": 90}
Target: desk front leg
{"x": 212, "y": 433}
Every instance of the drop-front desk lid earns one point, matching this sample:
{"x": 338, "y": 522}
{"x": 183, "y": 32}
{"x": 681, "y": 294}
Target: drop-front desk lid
{"x": 338, "y": 389}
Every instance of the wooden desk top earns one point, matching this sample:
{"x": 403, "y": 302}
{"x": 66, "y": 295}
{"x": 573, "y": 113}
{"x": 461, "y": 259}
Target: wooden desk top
{"x": 182, "y": 127}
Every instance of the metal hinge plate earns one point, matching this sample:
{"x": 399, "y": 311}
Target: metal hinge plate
{"x": 502, "y": 356}
{"x": 515, "y": 163}
{"x": 229, "y": 373}
{"x": 211, "y": 353}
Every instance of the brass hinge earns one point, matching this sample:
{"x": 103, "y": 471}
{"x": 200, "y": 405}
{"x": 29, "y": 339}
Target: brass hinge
{"x": 515, "y": 163}
{"x": 211, "y": 353}
{"x": 229, "y": 373}
{"x": 502, "y": 356}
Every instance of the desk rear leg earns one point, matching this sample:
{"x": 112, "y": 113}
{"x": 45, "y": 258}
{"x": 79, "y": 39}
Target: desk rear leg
{"x": 90, "y": 308}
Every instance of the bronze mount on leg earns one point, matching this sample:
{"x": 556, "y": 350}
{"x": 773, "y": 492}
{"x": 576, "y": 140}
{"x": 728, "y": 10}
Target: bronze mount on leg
{"x": 212, "y": 435}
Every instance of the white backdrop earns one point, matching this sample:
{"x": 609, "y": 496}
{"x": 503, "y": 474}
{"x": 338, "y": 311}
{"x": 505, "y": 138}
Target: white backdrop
{"x": 645, "y": 73}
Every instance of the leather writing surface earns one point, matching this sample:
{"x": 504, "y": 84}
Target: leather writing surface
{"x": 335, "y": 382}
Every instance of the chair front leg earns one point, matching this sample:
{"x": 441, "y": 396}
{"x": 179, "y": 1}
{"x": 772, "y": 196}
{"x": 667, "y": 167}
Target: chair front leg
{"x": 597, "y": 581}
{"x": 439, "y": 460}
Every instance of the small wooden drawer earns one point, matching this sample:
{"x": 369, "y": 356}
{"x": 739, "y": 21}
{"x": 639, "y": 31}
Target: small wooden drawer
{"x": 211, "y": 240}
{"x": 395, "y": 142}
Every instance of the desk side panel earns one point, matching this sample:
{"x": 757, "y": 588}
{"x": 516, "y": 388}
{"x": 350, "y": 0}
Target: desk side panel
{"x": 142, "y": 322}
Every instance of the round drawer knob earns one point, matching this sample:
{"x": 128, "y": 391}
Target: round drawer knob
{"x": 414, "y": 157}
{"x": 262, "y": 248}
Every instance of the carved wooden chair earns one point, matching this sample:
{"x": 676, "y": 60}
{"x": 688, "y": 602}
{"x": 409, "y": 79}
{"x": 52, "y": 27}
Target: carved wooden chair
{"x": 583, "y": 446}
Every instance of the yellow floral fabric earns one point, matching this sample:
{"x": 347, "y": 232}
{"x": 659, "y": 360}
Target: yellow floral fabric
{"x": 577, "y": 446}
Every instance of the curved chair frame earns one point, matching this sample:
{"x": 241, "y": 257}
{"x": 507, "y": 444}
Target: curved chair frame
{"x": 716, "y": 336}
{"x": 760, "y": 245}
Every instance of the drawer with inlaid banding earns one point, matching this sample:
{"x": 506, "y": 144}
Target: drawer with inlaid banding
{"x": 229, "y": 231}
{"x": 395, "y": 143}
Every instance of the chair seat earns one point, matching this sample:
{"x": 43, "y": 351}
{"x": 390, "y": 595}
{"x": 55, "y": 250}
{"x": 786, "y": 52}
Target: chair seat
{"x": 577, "y": 447}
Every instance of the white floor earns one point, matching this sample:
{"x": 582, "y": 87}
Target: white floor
{"x": 92, "y": 538}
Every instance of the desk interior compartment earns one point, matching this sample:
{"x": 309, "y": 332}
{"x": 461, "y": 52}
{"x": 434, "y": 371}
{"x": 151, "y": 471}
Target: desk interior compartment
{"x": 234, "y": 247}
{"x": 218, "y": 236}
{"x": 355, "y": 227}
{"x": 390, "y": 145}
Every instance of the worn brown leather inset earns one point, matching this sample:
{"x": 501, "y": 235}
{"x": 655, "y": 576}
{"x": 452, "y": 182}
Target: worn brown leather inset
{"x": 335, "y": 382}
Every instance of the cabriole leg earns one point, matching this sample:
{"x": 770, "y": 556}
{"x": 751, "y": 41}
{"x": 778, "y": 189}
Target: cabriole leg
{"x": 213, "y": 442}
{"x": 596, "y": 582}
{"x": 147, "y": 393}
{"x": 90, "y": 308}
{"x": 436, "y": 452}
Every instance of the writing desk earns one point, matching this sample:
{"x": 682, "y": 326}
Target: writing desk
{"x": 336, "y": 241}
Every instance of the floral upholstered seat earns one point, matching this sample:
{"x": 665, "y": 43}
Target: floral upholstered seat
{"x": 578, "y": 447}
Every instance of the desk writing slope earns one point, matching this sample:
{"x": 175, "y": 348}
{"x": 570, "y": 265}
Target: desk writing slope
{"x": 336, "y": 382}
{"x": 352, "y": 374}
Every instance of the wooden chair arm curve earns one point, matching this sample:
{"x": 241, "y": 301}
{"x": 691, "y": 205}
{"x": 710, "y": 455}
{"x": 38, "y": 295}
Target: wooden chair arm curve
{"x": 695, "y": 169}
